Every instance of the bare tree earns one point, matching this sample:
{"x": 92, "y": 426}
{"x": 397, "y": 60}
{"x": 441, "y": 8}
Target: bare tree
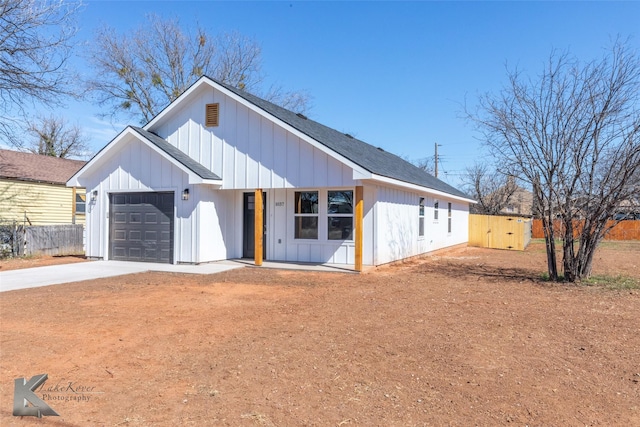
{"x": 492, "y": 189}
{"x": 36, "y": 38}
{"x": 142, "y": 71}
{"x": 427, "y": 164}
{"x": 572, "y": 133}
{"x": 53, "y": 136}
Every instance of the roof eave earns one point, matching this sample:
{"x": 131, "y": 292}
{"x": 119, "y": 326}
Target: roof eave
{"x": 419, "y": 188}
{"x": 194, "y": 178}
{"x": 34, "y": 181}
{"x": 253, "y": 107}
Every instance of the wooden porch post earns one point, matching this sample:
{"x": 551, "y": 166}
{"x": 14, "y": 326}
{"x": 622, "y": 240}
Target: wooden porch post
{"x": 258, "y": 227}
{"x": 359, "y": 219}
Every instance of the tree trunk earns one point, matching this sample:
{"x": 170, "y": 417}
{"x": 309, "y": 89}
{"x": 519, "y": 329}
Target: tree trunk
{"x": 549, "y": 240}
{"x": 569, "y": 258}
{"x": 589, "y": 239}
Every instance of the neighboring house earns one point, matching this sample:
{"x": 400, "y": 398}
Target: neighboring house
{"x": 186, "y": 188}
{"x": 628, "y": 210}
{"x": 33, "y": 189}
{"x": 520, "y": 202}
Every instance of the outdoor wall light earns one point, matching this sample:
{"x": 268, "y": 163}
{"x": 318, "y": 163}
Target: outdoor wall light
{"x": 185, "y": 194}
{"x": 94, "y": 195}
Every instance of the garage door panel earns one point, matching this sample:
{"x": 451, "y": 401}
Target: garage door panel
{"x": 134, "y": 253}
{"x": 150, "y": 218}
{"x": 150, "y": 254}
{"x": 118, "y": 199}
{"x": 141, "y": 227}
{"x": 119, "y": 252}
{"x": 165, "y": 255}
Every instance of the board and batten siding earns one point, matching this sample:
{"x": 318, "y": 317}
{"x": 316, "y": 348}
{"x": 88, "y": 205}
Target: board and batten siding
{"x": 135, "y": 167}
{"x": 247, "y": 150}
{"x": 222, "y": 228}
{"x": 397, "y": 224}
{"x": 40, "y": 203}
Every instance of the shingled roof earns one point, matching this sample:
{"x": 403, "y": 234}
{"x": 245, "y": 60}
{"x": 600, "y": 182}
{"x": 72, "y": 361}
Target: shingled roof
{"x": 177, "y": 154}
{"x": 37, "y": 168}
{"x": 375, "y": 160}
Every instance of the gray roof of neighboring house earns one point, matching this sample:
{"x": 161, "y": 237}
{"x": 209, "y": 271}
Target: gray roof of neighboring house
{"x": 177, "y": 154}
{"x": 37, "y": 167}
{"x": 373, "y": 159}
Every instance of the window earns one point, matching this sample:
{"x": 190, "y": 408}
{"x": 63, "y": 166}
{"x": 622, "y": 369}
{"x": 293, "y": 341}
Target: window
{"x": 340, "y": 215}
{"x": 435, "y": 210}
{"x": 421, "y": 217}
{"x": 306, "y": 215}
{"x": 449, "y": 218}
{"x": 81, "y": 204}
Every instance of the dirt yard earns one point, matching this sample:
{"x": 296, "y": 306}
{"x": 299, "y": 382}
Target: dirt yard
{"x": 468, "y": 337}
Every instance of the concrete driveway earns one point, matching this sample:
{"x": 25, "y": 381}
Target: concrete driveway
{"x": 66, "y": 273}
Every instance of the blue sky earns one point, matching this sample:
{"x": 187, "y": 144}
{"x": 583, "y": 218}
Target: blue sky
{"x": 393, "y": 74}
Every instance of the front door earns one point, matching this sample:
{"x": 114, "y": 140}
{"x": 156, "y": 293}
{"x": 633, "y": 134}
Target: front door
{"x": 248, "y": 240}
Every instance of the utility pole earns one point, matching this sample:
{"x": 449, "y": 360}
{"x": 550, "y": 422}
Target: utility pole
{"x": 436, "y": 159}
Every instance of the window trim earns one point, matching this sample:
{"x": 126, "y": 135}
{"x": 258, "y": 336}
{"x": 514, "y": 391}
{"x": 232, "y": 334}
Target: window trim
{"x": 340, "y": 215}
{"x": 297, "y": 215}
{"x": 421, "y": 228}
{"x": 323, "y": 216}
{"x": 80, "y": 202}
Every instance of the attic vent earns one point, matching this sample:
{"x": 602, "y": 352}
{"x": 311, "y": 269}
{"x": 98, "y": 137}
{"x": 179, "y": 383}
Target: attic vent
{"x": 212, "y": 115}
{"x": 379, "y": 148}
{"x": 302, "y": 116}
{"x": 348, "y": 135}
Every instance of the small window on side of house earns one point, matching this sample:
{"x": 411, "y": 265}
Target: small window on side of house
{"x": 449, "y": 218}
{"x": 81, "y": 204}
{"x": 435, "y": 209}
{"x": 421, "y": 217}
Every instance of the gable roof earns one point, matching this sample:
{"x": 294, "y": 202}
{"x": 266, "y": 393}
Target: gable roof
{"x": 36, "y": 167}
{"x": 375, "y": 160}
{"x": 198, "y": 174}
{"x": 177, "y": 154}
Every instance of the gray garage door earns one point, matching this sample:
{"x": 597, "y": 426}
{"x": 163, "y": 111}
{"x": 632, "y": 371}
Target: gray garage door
{"x": 141, "y": 227}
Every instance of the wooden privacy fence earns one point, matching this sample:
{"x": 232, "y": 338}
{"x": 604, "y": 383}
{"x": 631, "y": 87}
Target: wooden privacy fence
{"x": 54, "y": 240}
{"x": 624, "y": 230}
{"x": 499, "y": 232}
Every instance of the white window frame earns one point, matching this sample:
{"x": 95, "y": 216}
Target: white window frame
{"x": 421, "y": 208}
{"x": 340, "y": 215}
{"x": 297, "y": 215}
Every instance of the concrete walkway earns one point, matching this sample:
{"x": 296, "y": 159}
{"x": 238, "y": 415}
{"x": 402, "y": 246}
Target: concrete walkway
{"x": 90, "y": 270}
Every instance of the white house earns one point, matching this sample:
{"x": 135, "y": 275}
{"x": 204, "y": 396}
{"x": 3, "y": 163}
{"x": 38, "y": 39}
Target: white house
{"x": 186, "y": 188}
